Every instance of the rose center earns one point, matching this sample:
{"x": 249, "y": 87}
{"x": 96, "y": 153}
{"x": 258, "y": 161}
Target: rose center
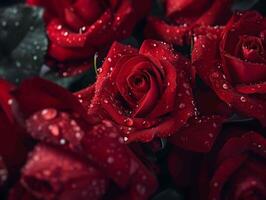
{"x": 252, "y": 49}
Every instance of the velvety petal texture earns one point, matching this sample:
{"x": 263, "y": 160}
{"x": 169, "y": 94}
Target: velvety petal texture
{"x": 13, "y": 149}
{"x": 232, "y": 63}
{"x": 237, "y": 170}
{"x": 147, "y": 91}
{"x": 182, "y": 17}
{"x": 67, "y": 163}
{"x": 78, "y": 29}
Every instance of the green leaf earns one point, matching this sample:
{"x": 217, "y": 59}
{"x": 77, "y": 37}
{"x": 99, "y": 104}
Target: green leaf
{"x": 157, "y": 8}
{"x": 244, "y": 4}
{"x": 23, "y": 42}
{"x": 168, "y": 194}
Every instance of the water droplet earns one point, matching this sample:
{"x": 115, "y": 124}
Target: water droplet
{"x": 215, "y": 184}
{"x": 54, "y": 130}
{"x": 62, "y": 141}
{"x": 182, "y": 105}
{"x": 129, "y": 122}
{"x": 106, "y": 101}
{"x": 78, "y": 135}
{"x": 125, "y": 139}
{"x": 4, "y": 23}
{"x": 243, "y": 99}
{"x": 109, "y": 59}
{"x": 10, "y": 101}
{"x": 59, "y": 27}
{"x": 65, "y": 33}
{"x": 82, "y": 29}
{"x": 110, "y": 160}
{"x": 18, "y": 64}
{"x": 225, "y": 86}
{"x": 49, "y": 113}
{"x": 35, "y": 57}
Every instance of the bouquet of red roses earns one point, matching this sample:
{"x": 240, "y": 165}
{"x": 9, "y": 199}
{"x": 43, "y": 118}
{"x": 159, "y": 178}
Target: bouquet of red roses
{"x": 131, "y": 99}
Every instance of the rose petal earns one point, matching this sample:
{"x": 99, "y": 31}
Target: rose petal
{"x": 199, "y": 135}
{"x": 205, "y": 58}
{"x": 158, "y": 29}
{"x": 55, "y": 127}
{"x": 118, "y": 161}
{"x": 68, "y": 178}
{"x": 223, "y": 173}
{"x": 49, "y": 95}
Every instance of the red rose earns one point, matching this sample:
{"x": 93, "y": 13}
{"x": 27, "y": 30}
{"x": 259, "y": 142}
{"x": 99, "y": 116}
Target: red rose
{"x": 233, "y": 63}
{"x": 78, "y": 157}
{"x": 80, "y": 28}
{"x": 147, "y": 92}
{"x": 12, "y": 137}
{"x": 236, "y": 172}
{"x": 182, "y": 16}
{"x": 54, "y": 174}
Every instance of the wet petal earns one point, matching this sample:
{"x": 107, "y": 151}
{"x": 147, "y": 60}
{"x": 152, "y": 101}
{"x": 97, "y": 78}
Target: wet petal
{"x": 69, "y": 177}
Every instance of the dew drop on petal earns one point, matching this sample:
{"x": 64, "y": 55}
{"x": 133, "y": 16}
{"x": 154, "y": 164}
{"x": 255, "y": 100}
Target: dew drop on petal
{"x": 49, "y": 113}
{"x": 59, "y": 27}
{"x": 225, "y": 86}
{"x": 125, "y": 139}
{"x": 243, "y": 99}
{"x": 10, "y": 101}
{"x": 62, "y": 141}
{"x": 54, "y": 129}
{"x": 182, "y": 105}
{"x": 129, "y": 122}
{"x": 110, "y": 160}
{"x": 215, "y": 184}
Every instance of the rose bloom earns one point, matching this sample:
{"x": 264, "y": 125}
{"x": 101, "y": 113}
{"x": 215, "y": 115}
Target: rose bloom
{"x": 182, "y": 16}
{"x": 66, "y": 163}
{"x": 80, "y": 28}
{"x": 147, "y": 92}
{"x": 235, "y": 170}
{"x": 233, "y": 63}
